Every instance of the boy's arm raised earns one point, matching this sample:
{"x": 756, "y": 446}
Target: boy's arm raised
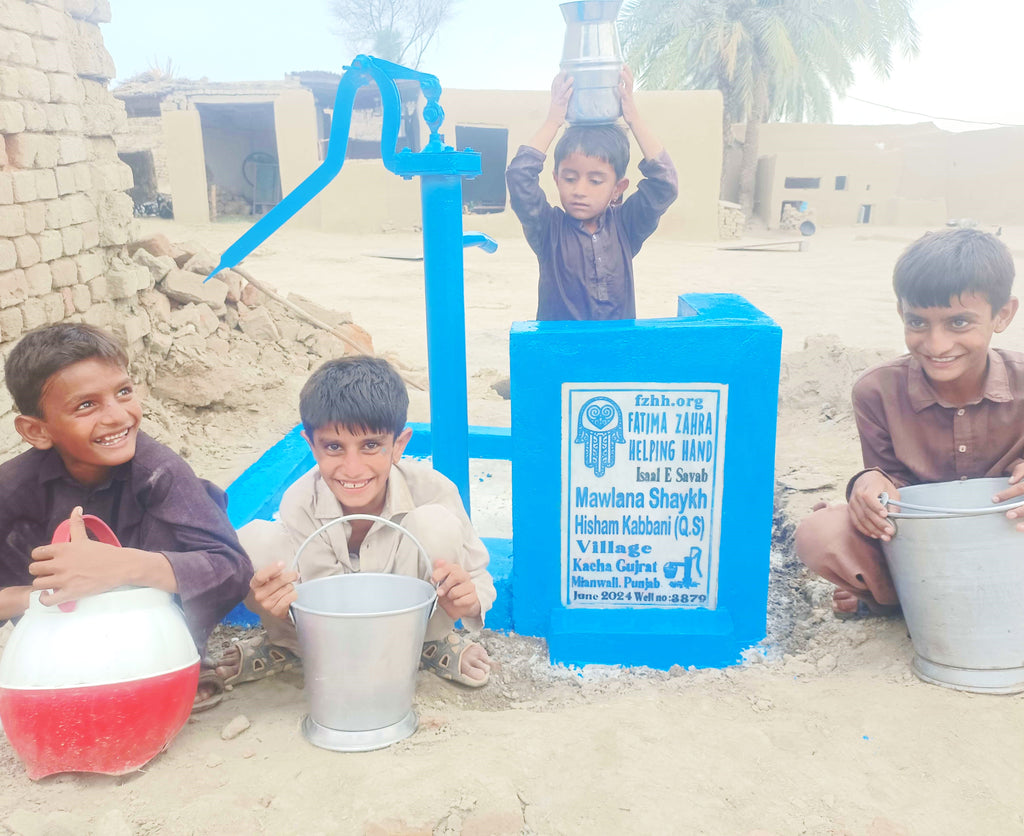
{"x": 648, "y": 142}
{"x": 561, "y": 92}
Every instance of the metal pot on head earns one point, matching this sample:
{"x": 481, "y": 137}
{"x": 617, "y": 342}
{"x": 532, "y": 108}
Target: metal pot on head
{"x": 593, "y": 57}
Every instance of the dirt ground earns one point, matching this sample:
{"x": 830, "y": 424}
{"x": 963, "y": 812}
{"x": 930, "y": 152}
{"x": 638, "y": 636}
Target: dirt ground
{"x": 824, "y": 730}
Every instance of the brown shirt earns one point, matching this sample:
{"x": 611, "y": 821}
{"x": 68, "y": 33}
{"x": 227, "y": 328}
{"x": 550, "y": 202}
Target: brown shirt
{"x": 908, "y": 432}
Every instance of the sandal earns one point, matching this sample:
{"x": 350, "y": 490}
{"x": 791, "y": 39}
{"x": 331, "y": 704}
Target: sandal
{"x": 215, "y": 685}
{"x": 258, "y": 660}
{"x": 444, "y": 658}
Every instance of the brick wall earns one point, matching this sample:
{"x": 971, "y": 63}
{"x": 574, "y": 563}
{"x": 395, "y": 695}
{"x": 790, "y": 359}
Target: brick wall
{"x": 64, "y": 214}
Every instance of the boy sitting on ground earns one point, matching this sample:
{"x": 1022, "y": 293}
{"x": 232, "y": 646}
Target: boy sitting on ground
{"x": 953, "y": 408}
{"x": 80, "y": 412}
{"x": 586, "y": 251}
{"x": 353, "y": 413}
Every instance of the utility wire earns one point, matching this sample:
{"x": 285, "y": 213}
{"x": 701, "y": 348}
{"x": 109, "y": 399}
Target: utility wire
{"x": 931, "y": 116}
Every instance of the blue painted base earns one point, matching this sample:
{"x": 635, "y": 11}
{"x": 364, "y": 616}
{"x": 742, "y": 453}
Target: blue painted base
{"x": 716, "y": 343}
{"x": 654, "y": 638}
{"x": 500, "y": 567}
{"x": 241, "y": 616}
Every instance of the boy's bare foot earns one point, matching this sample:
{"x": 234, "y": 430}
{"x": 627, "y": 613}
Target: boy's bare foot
{"x": 209, "y": 691}
{"x": 475, "y": 663}
{"x": 844, "y": 602}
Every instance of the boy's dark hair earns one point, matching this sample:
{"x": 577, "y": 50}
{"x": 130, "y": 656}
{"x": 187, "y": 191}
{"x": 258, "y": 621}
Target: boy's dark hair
{"x": 359, "y": 393}
{"x": 41, "y": 353}
{"x": 605, "y": 142}
{"x": 951, "y": 262}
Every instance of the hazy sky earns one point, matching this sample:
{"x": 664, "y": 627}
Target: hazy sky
{"x": 967, "y": 68}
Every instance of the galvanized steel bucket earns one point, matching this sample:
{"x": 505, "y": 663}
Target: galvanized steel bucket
{"x": 361, "y": 636}
{"x": 957, "y": 564}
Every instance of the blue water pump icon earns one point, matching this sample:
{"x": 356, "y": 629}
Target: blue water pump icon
{"x": 689, "y": 563}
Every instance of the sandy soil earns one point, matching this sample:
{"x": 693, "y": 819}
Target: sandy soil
{"x": 824, "y": 731}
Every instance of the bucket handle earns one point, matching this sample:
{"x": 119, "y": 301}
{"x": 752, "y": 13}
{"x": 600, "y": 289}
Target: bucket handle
{"x": 100, "y": 530}
{"x": 930, "y": 513}
{"x": 390, "y": 523}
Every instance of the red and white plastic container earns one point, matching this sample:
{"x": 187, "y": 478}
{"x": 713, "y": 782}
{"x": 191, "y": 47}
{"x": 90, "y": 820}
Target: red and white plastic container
{"x": 100, "y": 686}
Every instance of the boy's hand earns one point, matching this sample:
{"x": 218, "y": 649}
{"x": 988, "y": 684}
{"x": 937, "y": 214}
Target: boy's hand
{"x": 456, "y": 592}
{"x": 78, "y": 568}
{"x": 868, "y": 514}
{"x": 273, "y": 587}
{"x": 645, "y": 138}
{"x": 629, "y": 111}
{"x": 561, "y": 92}
{"x": 1016, "y": 489}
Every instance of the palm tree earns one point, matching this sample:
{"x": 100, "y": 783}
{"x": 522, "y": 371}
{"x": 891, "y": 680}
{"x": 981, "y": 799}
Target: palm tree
{"x": 771, "y": 59}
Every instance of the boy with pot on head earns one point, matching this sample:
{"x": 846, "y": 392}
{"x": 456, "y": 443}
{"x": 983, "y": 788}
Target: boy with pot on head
{"x": 353, "y": 413}
{"x": 586, "y": 248}
{"x": 80, "y": 412}
{"x": 952, "y": 408}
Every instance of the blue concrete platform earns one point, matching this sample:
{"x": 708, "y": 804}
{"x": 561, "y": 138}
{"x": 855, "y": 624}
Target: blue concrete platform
{"x": 643, "y": 483}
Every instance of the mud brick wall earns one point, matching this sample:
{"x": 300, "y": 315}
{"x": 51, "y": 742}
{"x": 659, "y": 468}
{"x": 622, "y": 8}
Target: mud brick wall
{"x": 64, "y": 214}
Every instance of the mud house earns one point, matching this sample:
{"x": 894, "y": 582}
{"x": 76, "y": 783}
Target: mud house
{"x": 892, "y": 175}
{"x": 214, "y": 148}
{"x": 229, "y": 149}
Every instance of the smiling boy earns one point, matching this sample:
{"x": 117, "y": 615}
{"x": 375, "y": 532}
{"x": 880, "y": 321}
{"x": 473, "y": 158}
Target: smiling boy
{"x": 80, "y": 413}
{"x": 952, "y": 408}
{"x": 353, "y": 413}
{"x": 586, "y": 248}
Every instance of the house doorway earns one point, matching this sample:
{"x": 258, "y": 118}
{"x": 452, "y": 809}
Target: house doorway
{"x": 240, "y": 148}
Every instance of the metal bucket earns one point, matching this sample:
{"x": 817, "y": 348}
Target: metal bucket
{"x": 361, "y": 637}
{"x": 592, "y": 55}
{"x": 957, "y": 564}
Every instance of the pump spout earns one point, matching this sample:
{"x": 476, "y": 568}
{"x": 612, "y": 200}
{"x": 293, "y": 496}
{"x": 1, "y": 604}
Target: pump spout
{"x": 479, "y": 239}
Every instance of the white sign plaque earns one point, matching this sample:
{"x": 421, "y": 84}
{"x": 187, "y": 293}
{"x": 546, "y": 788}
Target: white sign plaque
{"x": 642, "y": 468}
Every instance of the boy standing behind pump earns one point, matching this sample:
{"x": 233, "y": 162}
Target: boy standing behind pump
{"x": 586, "y": 248}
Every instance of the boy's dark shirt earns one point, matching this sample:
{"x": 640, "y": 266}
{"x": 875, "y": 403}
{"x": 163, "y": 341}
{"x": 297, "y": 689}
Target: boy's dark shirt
{"x": 912, "y": 437}
{"x": 586, "y": 276}
{"x": 154, "y": 502}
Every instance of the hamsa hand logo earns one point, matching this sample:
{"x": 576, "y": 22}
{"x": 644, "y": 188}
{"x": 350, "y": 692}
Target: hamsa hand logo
{"x": 599, "y": 429}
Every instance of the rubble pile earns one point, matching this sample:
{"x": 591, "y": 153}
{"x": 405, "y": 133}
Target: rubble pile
{"x": 223, "y": 344}
{"x": 218, "y": 342}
